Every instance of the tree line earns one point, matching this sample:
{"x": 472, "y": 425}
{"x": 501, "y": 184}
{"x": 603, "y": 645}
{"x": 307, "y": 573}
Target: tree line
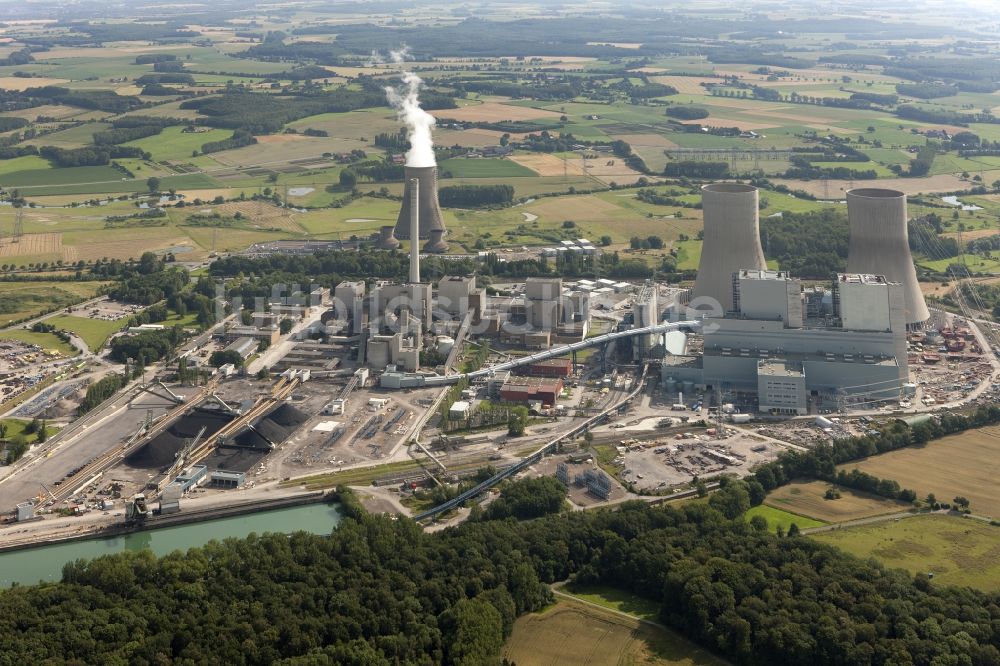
{"x": 382, "y": 591}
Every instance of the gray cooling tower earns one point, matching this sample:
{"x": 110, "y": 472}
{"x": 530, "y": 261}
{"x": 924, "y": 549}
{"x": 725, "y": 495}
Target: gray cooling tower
{"x": 880, "y": 245}
{"x": 731, "y": 240}
{"x": 386, "y": 238}
{"x": 436, "y": 244}
{"x": 430, "y": 211}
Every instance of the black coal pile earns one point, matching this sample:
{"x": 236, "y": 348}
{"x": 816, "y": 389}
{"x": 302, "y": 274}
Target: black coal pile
{"x": 274, "y": 428}
{"x": 160, "y": 452}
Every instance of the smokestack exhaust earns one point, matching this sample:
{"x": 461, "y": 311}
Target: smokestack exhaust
{"x": 414, "y": 231}
{"x": 879, "y": 244}
{"x": 731, "y": 240}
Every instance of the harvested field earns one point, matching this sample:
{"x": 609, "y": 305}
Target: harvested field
{"x": 956, "y": 551}
{"x": 972, "y": 234}
{"x": 545, "y": 164}
{"x": 495, "y": 112}
{"x": 966, "y": 464}
{"x": 31, "y": 245}
{"x": 120, "y": 249}
{"x": 280, "y": 138}
{"x": 18, "y": 83}
{"x": 655, "y": 140}
{"x": 836, "y": 188}
{"x": 572, "y": 633}
{"x": 806, "y": 498}
{"x": 605, "y": 168}
{"x": 743, "y": 125}
{"x": 581, "y": 208}
{"x": 687, "y": 85}
{"x": 263, "y": 214}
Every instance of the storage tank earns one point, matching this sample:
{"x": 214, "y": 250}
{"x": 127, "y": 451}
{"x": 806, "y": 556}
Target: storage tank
{"x": 879, "y": 245}
{"x": 670, "y": 386}
{"x": 445, "y": 344}
{"x": 731, "y": 240}
{"x": 688, "y": 386}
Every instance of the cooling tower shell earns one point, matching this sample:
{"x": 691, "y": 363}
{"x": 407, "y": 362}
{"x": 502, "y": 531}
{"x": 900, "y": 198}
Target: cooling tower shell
{"x": 731, "y": 240}
{"x": 429, "y": 210}
{"x": 436, "y": 244}
{"x": 879, "y": 244}
{"x": 386, "y": 238}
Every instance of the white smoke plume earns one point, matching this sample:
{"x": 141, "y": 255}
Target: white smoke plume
{"x": 419, "y": 124}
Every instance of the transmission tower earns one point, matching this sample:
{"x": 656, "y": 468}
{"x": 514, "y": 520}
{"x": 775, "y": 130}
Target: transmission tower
{"x": 18, "y": 225}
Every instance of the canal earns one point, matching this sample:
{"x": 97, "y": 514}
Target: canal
{"x": 31, "y": 565}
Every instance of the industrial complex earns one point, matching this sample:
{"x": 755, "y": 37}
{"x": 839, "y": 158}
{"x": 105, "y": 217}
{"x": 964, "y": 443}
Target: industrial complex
{"x": 419, "y": 379}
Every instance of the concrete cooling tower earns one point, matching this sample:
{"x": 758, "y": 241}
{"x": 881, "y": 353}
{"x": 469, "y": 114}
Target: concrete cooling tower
{"x": 386, "y": 238}
{"x": 731, "y": 240}
{"x": 427, "y": 204}
{"x": 880, "y": 245}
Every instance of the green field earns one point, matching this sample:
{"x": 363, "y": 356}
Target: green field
{"x": 957, "y": 551}
{"x": 35, "y": 178}
{"x": 173, "y": 143}
{"x": 777, "y": 518}
{"x": 615, "y": 599}
{"x": 21, "y": 164}
{"x": 94, "y": 332}
{"x": 17, "y": 427}
{"x": 461, "y": 167}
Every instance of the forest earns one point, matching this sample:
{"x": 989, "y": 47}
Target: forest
{"x": 381, "y": 591}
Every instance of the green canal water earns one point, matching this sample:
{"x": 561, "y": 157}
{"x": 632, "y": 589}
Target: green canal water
{"x": 45, "y": 563}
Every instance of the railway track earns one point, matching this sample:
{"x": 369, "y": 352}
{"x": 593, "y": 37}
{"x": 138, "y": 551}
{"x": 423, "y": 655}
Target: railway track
{"x": 103, "y": 463}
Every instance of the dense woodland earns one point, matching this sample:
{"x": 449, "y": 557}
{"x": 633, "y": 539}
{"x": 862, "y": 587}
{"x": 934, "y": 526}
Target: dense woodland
{"x": 381, "y": 591}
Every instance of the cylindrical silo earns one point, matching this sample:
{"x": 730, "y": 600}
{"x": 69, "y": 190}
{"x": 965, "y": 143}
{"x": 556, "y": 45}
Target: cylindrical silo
{"x": 731, "y": 240}
{"x": 879, "y": 245}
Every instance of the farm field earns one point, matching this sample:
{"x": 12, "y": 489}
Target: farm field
{"x": 94, "y": 332}
{"x": 495, "y": 112}
{"x": 484, "y": 168}
{"x": 966, "y": 464}
{"x": 780, "y": 518}
{"x": 956, "y": 551}
{"x": 174, "y": 143}
{"x": 805, "y": 498}
{"x": 571, "y": 633}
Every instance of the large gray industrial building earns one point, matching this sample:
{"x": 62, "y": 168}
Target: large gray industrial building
{"x": 786, "y": 345}
{"x": 855, "y": 347}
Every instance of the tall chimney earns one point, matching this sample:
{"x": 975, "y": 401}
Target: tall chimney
{"x": 731, "y": 240}
{"x": 414, "y": 195}
{"x": 879, "y": 245}
{"x": 427, "y": 206}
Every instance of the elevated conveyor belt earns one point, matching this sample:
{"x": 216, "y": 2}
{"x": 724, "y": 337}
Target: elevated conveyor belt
{"x": 596, "y": 341}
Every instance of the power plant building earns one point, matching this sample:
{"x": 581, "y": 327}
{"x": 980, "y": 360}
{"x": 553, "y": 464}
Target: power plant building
{"x": 856, "y": 351}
